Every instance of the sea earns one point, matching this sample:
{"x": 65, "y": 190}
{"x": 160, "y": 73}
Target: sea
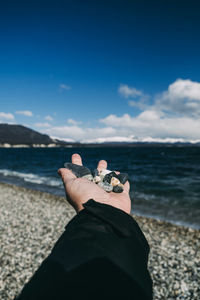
{"x": 165, "y": 181}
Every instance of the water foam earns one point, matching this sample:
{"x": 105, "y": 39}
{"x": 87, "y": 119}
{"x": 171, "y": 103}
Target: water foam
{"x": 32, "y": 178}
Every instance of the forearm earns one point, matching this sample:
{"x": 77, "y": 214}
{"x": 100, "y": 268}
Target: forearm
{"x": 100, "y": 239}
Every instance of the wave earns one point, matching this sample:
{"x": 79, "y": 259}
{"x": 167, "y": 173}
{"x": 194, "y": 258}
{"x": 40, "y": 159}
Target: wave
{"x": 32, "y": 178}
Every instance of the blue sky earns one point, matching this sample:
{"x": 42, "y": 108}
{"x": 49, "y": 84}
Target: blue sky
{"x": 102, "y": 70}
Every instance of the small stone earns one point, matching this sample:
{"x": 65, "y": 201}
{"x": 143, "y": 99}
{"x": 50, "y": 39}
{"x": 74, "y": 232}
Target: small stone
{"x": 106, "y": 186}
{"x": 176, "y": 286}
{"x": 95, "y": 172}
{"x": 79, "y": 171}
{"x": 118, "y": 188}
{"x": 103, "y": 172}
{"x": 123, "y": 177}
{"x": 114, "y": 181}
{"x": 97, "y": 179}
{"x": 108, "y": 177}
{"x": 184, "y": 287}
{"x": 89, "y": 177}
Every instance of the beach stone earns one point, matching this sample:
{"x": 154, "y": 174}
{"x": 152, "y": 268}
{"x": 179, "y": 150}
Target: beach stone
{"x": 96, "y": 179}
{"x": 95, "y": 172}
{"x": 103, "y": 172}
{"x": 89, "y": 177}
{"x": 118, "y": 188}
{"x": 79, "y": 171}
{"x": 114, "y": 181}
{"x": 106, "y": 186}
{"x": 109, "y": 176}
{"x": 123, "y": 177}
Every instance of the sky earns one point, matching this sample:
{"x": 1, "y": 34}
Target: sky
{"x": 95, "y": 71}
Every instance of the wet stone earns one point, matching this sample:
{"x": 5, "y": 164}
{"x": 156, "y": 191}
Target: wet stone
{"x": 114, "y": 181}
{"x": 96, "y": 179}
{"x": 106, "y": 186}
{"x": 108, "y": 177}
{"x": 118, "y": 188}
{"x": 104, "y": 172}
{"x": 123, "y": 177}
{"x": 95, "y": 172}
{"x": 89, "y": 177}
{"x": 79, "y": 171}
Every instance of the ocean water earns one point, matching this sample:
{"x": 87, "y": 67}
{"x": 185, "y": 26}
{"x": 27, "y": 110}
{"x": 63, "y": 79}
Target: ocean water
{"x": 165, "y": 181}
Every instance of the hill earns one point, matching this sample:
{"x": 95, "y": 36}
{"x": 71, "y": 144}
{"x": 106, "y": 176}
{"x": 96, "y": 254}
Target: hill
{"x": 21, "y": 135}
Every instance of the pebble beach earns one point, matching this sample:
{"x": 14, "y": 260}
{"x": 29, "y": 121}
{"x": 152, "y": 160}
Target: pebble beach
{"x": 32, "y": 221}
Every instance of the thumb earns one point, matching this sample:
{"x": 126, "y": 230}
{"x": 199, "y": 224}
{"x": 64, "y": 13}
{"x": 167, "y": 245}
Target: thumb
{"x": 127, "y": 187}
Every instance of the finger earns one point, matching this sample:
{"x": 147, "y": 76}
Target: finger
{"x": 66, "y": 174}
{"x": 117, "y": 172}
{"x": 126, "y": 187}
{"x": 102, "y": 165}
{"x": 76, "y": 159}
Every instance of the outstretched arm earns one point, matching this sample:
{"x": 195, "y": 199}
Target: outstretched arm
{"x": 101, "y": 255}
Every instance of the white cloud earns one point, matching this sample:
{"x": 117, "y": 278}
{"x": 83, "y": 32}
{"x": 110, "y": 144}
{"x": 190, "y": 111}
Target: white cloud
{"x": 156, "y": 125}
{"x": 172, "y": 116}
{"x": 6, "y": 116}
{"x": 45, "y": 124}
{"x": 148, "y": 126}
{"x": 184, "y": 89}
{"x": 64, "y": 87}
{"x": 182, "y": 97}
{"x": 80, "y": 134}
{"x": 73, "y": 122}
{"x": 73, "y": 132}
{"x": 48, "y": 118}
{"x": 113, "y": 120}
{"x": 127, "y": 92}
{"x": 140, "y": 99}
{"x": 26, "y": 113}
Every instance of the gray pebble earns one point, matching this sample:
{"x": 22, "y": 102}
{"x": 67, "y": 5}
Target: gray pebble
{"x": 89, "y": 177}
{"x": 108, "y": 177}
{"x": 118, "y": 189}
{"x": 95, "y": 172}
{"x": 79, "y": 171}
{"x": 123, "y": 177}
{"x": 106, "y": 186}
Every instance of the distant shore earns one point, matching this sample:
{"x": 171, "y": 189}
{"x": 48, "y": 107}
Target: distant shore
{"x": 32, "y": 221}
{"x": 108, "y": 144}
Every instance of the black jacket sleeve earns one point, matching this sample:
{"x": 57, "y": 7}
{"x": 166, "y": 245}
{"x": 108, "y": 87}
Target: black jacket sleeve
{"x": 102, "y": 254}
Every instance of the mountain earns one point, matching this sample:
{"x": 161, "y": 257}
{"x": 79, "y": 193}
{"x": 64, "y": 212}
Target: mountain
{"x": 21, "y": 135}
{"x": 18, "y": 135}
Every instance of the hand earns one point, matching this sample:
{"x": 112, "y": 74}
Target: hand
{"x": 80, "y": 190}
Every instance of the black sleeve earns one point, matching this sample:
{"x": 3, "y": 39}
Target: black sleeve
{"x": 102, "y": 254}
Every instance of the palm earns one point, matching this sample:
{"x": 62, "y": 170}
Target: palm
{"x": 80, "y": 190}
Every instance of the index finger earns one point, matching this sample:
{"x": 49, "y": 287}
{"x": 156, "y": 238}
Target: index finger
{"x": 102, "y": 165}
{"x": 76, "y": 159}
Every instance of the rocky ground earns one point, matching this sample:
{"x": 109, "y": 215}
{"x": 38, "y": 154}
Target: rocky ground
{"x": 32, "y": 221}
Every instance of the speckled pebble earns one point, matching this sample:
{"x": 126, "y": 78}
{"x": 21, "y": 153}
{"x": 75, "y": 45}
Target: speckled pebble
{"x": 106, "y": 186}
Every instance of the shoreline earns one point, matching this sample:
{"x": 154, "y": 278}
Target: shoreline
{"x": 101, "y": 145}
{"x": 32, "y": 221}
{"x": 137, "y": 213}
